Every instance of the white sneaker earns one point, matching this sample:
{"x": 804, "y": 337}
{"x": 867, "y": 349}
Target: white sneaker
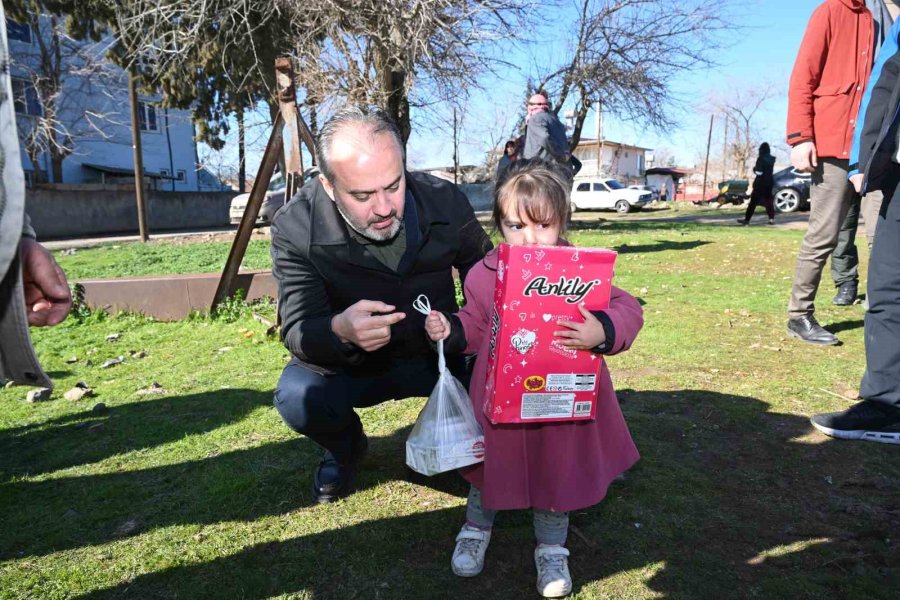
{"x": 553, "y": 579}
{"x": 468, "y": 556}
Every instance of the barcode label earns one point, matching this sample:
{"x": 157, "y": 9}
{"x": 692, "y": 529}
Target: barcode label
{"x": 582, "y": 408}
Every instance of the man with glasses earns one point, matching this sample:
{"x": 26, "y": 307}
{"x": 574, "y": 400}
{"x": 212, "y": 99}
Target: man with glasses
{"x": 545, "y": 135}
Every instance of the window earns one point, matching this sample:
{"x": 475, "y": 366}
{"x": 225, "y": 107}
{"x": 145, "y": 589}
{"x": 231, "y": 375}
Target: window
{"x": 583, "y": 187}
{"x": 147, "y": 117}
{"x": 181, "y": 175}
{"x": 164, "y": 173}
{"x": 20, "y": 32}
{"x": 599, "y": 187}
{"x": 25, "y": 98}
{"x": 626, "y": 154}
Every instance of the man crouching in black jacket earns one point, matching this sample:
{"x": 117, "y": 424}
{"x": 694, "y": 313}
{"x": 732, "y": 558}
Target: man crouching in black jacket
{"x": 350, "y": 253}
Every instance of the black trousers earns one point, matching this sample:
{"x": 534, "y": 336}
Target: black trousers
{"x": 321, "y": 406}
{"x": 760, "y": 198}
{"x": 845, "y": 258}
{"x": 881, "y": 381}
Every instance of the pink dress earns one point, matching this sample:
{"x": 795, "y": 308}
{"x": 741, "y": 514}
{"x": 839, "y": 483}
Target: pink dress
{"x": 551, "y": 466}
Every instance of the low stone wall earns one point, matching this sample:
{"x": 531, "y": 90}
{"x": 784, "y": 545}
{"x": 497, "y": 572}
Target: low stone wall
{"x": 480, "y": 195}
{"x": 75, "y": 213}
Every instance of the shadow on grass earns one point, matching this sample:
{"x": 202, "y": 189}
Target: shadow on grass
{"x": 845, "y": 325}
{"x": 729, "y": 501}
{"x": 54, "y": 514}
{"x": 660, "y": 246}
{"x": 87, "y": 436}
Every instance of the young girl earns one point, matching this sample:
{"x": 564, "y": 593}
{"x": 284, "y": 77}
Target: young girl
{"x": 552, "y": 468}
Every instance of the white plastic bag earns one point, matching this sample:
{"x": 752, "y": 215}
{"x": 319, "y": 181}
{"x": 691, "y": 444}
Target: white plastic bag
{"x": 446, "y": 435}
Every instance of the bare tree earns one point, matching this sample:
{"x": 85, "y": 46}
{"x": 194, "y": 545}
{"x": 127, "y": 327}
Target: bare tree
{"x": 395, "y": 54}
{"x": 625, "y": 53}
{"x": 740, "y": 106}
{"x": 65, "y": 85}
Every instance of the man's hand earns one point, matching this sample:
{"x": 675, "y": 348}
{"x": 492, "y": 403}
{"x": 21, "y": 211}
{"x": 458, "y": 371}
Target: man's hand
{"x": 437, "y": 326}
{"x": 857, "y": 181}
{"x": 581, "y": 336}
{"x": 360, "y": 325}
{"x": 804, "y": 157}
{"x": 47, "y": 296}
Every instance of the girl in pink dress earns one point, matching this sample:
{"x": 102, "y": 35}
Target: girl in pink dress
{"x": 552, "y": 468}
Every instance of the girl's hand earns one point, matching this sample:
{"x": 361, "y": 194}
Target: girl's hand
{"x": 581, "y": 336}
{"x": 437, "y": 326}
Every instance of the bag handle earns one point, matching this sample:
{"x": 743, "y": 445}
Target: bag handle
{"x": 422, "y": 305}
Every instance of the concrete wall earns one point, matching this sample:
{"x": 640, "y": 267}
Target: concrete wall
{"x": 75, "y": 213}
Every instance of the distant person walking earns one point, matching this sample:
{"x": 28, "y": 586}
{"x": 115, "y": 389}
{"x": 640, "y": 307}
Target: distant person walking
{"x": 510, "y": 155}
{"x": 762, "y": 185}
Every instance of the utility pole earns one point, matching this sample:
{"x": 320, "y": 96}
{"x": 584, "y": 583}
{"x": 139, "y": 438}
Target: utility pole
{"x": 242, "y": 159}
{"x": 456, "y": 148}
{"x": 138, "y": 157}
{"x": 706, "y": 166}
{"x": 599, "y": 136}
{"x": 725, "y": 151}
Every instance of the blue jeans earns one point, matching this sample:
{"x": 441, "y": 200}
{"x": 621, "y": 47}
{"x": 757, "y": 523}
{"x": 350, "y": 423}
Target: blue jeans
{"x": 321, "y": 406}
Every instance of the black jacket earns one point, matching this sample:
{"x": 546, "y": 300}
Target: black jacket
{"x": 321, "y": 271}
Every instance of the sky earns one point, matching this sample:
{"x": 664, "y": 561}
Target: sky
{"x": 763, "y": 51}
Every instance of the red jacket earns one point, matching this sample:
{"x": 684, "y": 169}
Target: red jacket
{"x": 830, "y": 76}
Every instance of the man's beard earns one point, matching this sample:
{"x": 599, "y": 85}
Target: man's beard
{"x": 367, "y": 230}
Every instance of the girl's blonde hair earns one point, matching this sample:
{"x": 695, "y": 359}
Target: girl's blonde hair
{"x": 536, "y": 188}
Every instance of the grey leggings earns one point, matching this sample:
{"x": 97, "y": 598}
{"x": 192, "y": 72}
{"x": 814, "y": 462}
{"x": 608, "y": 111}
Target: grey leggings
{"x": 549, "y": 527}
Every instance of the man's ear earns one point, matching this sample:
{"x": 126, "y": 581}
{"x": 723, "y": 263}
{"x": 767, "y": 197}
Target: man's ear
{"x": 329, "y": 189}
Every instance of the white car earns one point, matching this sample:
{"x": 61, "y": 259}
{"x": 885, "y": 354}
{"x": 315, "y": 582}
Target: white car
{"x": 600, "y": 194}
{"x": 273, "y": 200}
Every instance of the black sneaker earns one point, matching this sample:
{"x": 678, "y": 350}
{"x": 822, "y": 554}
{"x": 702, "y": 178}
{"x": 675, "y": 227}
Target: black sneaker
{"x": 846, "y": 293}
{"x": 334, "y": 480}
{"x": 866, "y": 420}
{"x": 806, "y": 328}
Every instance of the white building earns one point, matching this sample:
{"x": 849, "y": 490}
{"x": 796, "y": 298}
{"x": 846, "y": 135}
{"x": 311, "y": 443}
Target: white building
{"x": 620, "y": 161}
{"x": 94, "y": 112}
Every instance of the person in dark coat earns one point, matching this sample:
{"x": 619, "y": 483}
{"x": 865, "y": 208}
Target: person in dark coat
{"x": 762, "y": 185}
{"x": 350, "y": 253}
{"x": 510, "y": 154}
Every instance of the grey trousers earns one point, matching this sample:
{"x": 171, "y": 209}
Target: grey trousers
{"x": 549, "y": 527}
{"x": 831, "y": 197}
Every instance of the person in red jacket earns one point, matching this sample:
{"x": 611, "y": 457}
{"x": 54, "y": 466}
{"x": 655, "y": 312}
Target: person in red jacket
{"x": 826, "y": 89}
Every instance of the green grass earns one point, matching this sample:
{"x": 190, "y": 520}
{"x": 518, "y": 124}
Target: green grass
{"x": 202, "y": 492}
{"x": 157, "y": 258}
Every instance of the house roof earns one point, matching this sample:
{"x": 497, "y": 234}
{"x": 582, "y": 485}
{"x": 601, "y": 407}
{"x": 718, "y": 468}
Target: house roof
{"x": 593, "y": 142}
{"x": 113, "y": 170}
{"x": 668, "y": 171}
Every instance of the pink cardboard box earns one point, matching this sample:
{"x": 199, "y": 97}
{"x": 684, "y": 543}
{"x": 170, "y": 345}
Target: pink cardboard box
{"x": 531, "y": 377}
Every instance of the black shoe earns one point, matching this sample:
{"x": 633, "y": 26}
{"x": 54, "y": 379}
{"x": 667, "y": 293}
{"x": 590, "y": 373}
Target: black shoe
{"x": 866, "y": 420}
{"x": 334, "y": 480}
{"x": 808, "y": 329}
{"x": 846, "y": 294}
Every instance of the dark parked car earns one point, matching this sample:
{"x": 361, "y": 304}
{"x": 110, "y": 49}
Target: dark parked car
{"x": 733, "y": 190}
{"x": 791, "y": 190}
